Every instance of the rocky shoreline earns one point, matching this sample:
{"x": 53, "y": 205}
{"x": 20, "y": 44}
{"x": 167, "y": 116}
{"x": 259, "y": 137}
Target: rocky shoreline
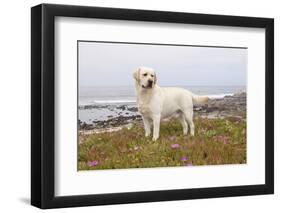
{"x": 229, "y": 106}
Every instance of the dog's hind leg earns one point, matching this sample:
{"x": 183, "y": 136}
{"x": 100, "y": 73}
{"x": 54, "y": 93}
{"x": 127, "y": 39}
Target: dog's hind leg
{"x": 189, "y": 119}
{"x": 191, "y": 125}
{"x": 184, "y": 124}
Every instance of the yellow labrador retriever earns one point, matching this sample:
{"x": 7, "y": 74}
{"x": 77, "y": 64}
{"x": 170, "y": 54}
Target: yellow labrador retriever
{"x": 156, "y": 103}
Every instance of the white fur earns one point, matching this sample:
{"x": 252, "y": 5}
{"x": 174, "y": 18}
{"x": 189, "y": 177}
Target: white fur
{"x": 156, "y": 103}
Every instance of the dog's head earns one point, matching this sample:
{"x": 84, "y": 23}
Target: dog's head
{"x": 145, "y": 77}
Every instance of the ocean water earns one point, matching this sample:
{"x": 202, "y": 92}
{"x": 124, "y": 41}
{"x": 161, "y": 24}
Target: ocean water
{"x": 102, "y": 103}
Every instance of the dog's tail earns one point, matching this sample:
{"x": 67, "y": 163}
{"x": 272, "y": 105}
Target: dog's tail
{"x": 197, "y": 99}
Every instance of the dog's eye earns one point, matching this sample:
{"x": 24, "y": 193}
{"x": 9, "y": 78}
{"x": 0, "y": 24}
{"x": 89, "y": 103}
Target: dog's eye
{"x": 152, "y": 76}
{"x": 145, "y": 74}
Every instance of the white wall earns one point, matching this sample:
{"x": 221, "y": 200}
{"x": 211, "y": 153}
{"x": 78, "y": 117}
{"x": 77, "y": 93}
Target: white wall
{"x": 15, "y": 105}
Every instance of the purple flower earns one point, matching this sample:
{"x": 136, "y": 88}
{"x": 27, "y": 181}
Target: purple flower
{"x": 175, "y": 145}
{"x": 225, "y": 140}
{"x": 93, "y": 163}
{"x": 184, "y": 158}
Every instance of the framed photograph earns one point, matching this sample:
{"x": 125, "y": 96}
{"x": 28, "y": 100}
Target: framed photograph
{"x": 139, "y": 106}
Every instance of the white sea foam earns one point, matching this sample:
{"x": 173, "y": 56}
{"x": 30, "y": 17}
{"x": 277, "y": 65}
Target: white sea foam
{"x": 113, "y": 101}
{"x": 130, "y": 101}
{"x": 219, "y": 96}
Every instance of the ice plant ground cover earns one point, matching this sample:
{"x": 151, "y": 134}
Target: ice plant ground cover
{"x": 216, "y": 141}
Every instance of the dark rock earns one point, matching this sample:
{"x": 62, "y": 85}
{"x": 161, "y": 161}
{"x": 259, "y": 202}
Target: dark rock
{"x": 132, "y": 109}
{"x": 86, "y": 126}
{"x": 122, "y": 107}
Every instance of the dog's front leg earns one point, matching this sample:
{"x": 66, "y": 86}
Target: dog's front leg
{"x": 146, "y": 124}
{"x": 156, "y": 127}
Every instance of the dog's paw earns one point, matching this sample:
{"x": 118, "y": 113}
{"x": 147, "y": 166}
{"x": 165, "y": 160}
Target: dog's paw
{"x": 154, "y": 138}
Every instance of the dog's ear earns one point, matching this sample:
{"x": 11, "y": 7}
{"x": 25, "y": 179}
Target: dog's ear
{"x": 136, "y": 75}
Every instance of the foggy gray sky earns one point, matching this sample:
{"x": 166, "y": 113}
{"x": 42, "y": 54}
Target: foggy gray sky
{"x": 108, "y": 64}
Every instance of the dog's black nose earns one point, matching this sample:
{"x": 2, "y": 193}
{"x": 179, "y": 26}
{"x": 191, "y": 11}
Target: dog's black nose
{"x": 150, "y": 82}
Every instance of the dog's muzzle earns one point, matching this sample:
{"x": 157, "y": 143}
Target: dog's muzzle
{"x": 149, "y": 84}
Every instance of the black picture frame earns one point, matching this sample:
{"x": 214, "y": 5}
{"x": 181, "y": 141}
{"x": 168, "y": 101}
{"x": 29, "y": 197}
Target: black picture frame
{"x": 43, "y": 105}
